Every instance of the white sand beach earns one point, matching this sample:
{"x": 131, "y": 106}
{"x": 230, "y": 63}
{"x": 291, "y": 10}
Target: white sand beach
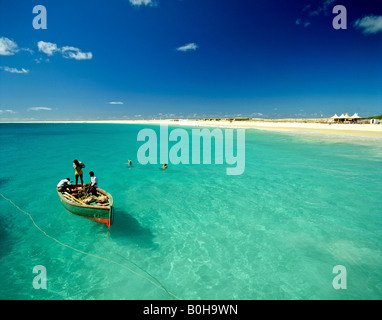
{"x": 366, "y": 130}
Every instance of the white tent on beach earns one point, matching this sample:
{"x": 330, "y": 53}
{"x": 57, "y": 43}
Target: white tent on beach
{"x": 334, "y": 118}
{"x": 344, "y": 117}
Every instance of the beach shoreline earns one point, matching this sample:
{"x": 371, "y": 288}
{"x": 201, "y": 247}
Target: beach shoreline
{"x": 363, "y": 130}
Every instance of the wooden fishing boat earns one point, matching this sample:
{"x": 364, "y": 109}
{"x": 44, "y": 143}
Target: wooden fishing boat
{"x": 93, "y": 211}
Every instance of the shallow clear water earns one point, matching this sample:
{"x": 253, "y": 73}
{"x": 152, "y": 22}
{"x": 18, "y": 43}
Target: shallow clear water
{"x": 304, "y": 204}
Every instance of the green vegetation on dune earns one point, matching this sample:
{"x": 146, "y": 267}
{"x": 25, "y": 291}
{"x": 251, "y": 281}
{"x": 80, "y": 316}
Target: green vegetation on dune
{"x": 375, "y": 117}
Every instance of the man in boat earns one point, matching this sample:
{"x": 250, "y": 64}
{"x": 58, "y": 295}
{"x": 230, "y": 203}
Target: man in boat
{"x": 100, "y": 199}
{"x": 93, "y": 183}
{"x": 78, "y": 166}
{"x": 64, "y": 185}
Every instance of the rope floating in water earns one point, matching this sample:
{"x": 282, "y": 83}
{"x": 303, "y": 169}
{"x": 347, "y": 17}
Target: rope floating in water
{"x": 90, "y": 254}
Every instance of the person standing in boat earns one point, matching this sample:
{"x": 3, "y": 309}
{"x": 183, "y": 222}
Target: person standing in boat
{"x": 78, "y": 166}
{"x": 93, "y": 183}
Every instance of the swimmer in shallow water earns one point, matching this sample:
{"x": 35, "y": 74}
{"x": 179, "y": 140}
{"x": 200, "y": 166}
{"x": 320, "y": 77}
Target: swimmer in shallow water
{"x": 164, "y": 166}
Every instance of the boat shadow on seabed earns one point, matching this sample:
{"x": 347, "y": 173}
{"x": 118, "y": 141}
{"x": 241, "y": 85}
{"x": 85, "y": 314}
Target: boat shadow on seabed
{"x": 127, "y": 230}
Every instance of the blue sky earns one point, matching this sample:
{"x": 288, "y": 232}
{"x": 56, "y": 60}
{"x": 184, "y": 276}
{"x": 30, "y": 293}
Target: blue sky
{"x": 134, "y": 59}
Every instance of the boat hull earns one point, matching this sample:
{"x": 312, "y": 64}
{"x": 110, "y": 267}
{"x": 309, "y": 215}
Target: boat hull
{"x": 100, "y": 214}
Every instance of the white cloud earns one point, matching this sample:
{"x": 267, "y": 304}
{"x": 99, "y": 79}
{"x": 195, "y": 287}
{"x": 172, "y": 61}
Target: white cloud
{"x": 369, "y": 24}
{"x": 48, "y": 48}
{"x": 7, "y": 111}
{"x": 322, "y": 8}
{"x": 308, "y": 6}
{"x": 40, "y": 108}
{"x": 7, "y": 47}
{"x": 67, "y": 52}
{"x": 115, "y": 102}
{"x": 27, "y": 50}
{"x": 75, "y": 53}
{"x": 188, "y": 47}
{"x": 14, "y": 70}
{"x": 142, "y": 2}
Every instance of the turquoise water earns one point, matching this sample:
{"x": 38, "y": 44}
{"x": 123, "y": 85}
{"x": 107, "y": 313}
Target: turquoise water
{"x": 304, "y": 204}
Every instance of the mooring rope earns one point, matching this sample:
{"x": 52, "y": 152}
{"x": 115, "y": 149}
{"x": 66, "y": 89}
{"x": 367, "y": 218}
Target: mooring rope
{"x": 90, "y": 254}
{"x": 130, "y": 261}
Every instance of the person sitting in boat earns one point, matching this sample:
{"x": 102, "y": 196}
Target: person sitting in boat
{"x": 64, "y": 185}
{"x": 78, "y": 166}
{"x": 93, "y": 184}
